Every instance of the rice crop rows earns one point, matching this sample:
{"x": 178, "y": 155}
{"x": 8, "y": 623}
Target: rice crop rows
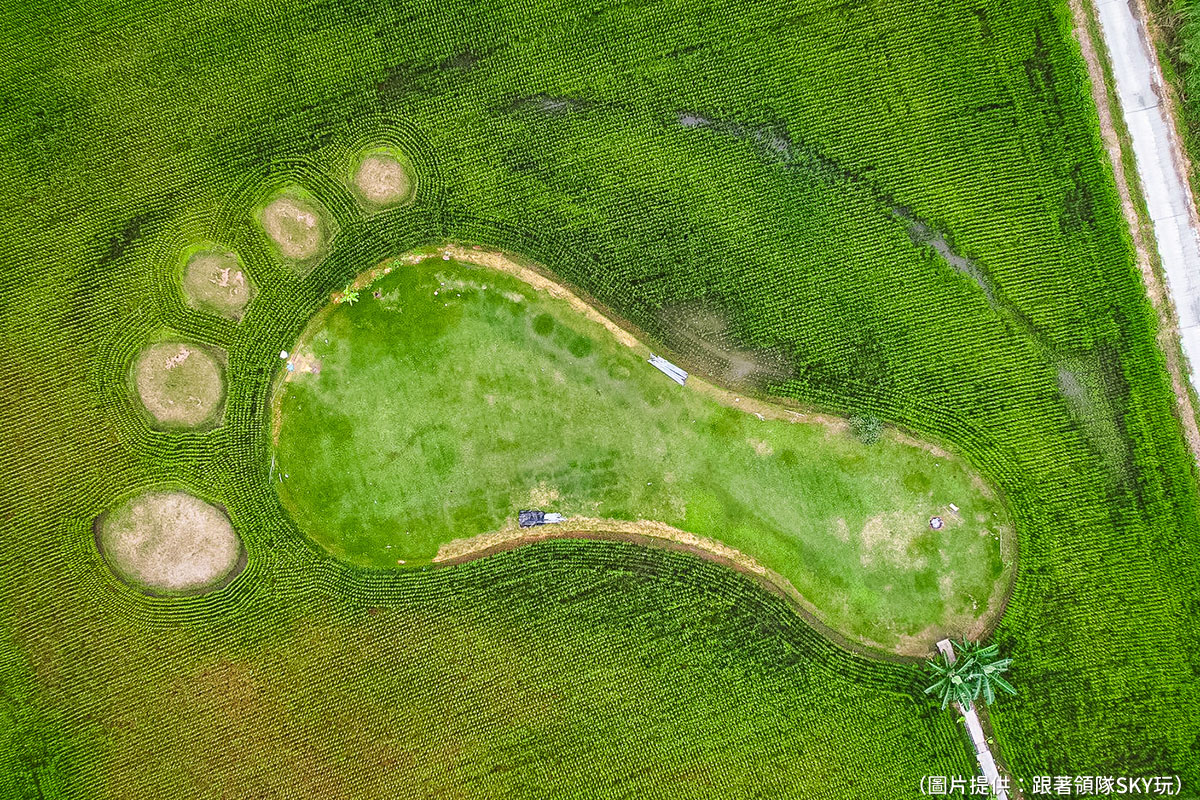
{"x": 768, "y": 192}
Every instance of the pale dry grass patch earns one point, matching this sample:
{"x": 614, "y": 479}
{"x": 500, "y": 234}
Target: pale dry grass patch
{"x": 213, "y": 280}
{"x": 762, "y": 448}
{"x": 890, "y": 537}
{"x": 180, "y": 384}
{"x": 170, "y": 542}
{"x": 382, "y": 180}
{"x": 542, "y": 495}
{"x": 295, "y": 227}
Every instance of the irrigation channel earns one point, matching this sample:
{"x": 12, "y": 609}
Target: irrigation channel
{"x": 1140, "y": 91}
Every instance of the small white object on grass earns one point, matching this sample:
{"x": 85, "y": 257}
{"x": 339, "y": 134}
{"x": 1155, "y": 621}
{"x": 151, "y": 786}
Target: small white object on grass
{"x": 667, "y": 368}
{"x": 954, "y": 508}
{"x": 283, "y": 353}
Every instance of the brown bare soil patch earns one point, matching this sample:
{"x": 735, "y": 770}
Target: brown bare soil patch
{"x": 170, "y": 542}
{"x": 302, "y": 362}
{"x": 180, "y": 384}
{"x": 214, "y": 281}
{"x": 295, "y": 227}
{"x": 382, "y": 180}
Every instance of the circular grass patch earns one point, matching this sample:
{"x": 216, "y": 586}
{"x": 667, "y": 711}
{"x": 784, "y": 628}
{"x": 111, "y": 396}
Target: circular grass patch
{"x": 170, "y": 543}
{"x": 180, "y": 384}
{"x": 383, "y": 181}
{"x": 214, "y": 281}
{"x": 294, "y": 227}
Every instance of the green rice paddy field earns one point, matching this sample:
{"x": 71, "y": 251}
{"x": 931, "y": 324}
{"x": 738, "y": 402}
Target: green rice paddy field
{"x": 767, "y": 193}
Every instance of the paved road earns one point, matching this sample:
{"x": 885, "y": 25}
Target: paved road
{"x": 1139, "y": 88}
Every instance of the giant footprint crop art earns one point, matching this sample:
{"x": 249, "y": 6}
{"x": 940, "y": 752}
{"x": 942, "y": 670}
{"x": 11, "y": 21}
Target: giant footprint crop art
{"x": 419, "y": 414}
{"x": 879, "y": 210}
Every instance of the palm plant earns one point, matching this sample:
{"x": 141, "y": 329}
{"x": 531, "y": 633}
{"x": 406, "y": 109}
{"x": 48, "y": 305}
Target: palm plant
{"x": 989, "y": 668}
{"x": 954, "y": 680}
{"x": 975, "y": 671}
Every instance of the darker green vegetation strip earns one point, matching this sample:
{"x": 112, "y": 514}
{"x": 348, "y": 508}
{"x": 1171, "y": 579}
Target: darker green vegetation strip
{"x": 554, "y": 129}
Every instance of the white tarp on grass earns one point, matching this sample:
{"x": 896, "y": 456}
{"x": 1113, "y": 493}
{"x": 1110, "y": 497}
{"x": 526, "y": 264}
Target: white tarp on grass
{"x": 667, "y": 368}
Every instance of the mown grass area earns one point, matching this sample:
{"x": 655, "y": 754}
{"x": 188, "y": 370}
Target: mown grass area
{"x": 460, "y": 395}
{"x": 743, "y": 170}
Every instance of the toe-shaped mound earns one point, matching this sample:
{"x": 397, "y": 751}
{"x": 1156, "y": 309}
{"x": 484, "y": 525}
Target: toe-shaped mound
{"x": 180, "y": 384}
{"x": 170, "y": 542}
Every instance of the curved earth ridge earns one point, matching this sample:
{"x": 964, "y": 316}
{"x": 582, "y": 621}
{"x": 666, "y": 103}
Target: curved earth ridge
{"x": 652, "y": 532}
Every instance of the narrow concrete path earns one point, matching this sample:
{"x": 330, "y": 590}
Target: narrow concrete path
{"x": 1160, "y": 164}
{"x": 982, "y": 753}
